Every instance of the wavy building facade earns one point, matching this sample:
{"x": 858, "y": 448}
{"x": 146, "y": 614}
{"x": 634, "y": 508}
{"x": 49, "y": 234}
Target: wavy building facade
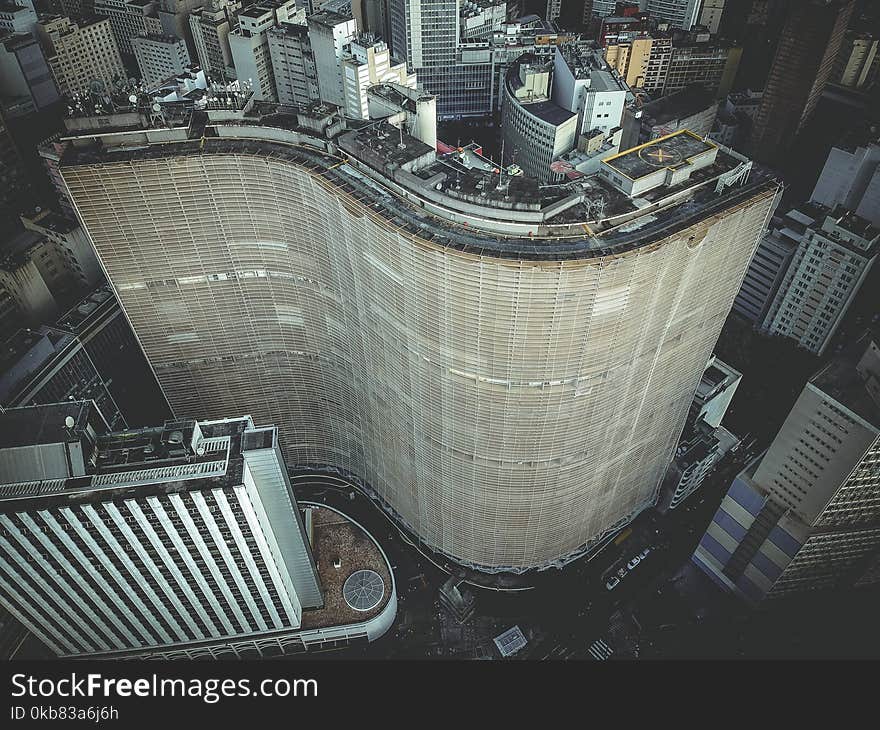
{"x": 506, "y": 367}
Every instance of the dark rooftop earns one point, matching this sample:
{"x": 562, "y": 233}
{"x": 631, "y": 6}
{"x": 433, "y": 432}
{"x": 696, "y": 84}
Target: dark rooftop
{"x": 684, "y": 103}
{"x": 15, "y": 251}
{"x": 9, "y": 6}
{"x": 386, "y": 147}
{"x": 840, "y": 380}
{"x": 395, "y": 96}
{"x": 714, "y": 375}
{"x": 13, "y": 41}
{"x": 549, "y": 112}
{"x": 32, "y": 425}
{"x": 159, "y": 38}
{"x": 292, "y": 29}
{"x": 53, "y": 221}
{"x": 328, "y": 18}
{"x": 854, "y": 223}
{"x": 24, "y": 354}
{"x": 121, "y": 461}
{"x": 319, "y": 109}
{"x": 261, "y": 7}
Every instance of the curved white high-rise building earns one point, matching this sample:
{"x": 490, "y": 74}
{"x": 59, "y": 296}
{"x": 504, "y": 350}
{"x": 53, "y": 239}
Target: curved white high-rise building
{"x": 508, "y": 368}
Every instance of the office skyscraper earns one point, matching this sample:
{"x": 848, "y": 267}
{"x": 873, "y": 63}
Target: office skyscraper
{"x": 678, "y": 13}
{"x": 159, "y": 57}
{"x": 803, "y": 64}
{"x": 78, "y": 52}
{"x": 210, "y": 26}
{"x": 426, "y": 35}
{"x": 183, "y": 540}
{"x": 805, "y": 514}
{"x": 508, "y": 382}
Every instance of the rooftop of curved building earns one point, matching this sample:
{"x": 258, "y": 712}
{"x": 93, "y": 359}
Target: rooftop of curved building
{"x": 435, "y": 198}
{"x": 539, "y": 107}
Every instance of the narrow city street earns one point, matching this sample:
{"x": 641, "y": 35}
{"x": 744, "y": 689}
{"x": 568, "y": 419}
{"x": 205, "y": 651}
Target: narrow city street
{"x": 563, "y": 613}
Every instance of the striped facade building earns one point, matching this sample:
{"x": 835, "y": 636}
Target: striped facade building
{"x": 178, "y": 541}
{"x": 806, "y": 514}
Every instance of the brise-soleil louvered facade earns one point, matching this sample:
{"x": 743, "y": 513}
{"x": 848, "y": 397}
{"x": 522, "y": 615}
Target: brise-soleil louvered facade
{"x": 506, "y": 371}
{"x": 177, "y": 541}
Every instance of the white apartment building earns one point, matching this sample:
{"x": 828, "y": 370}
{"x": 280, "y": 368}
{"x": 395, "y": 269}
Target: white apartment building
{"x": 554, "y": 7}
{"x": 710, "y": 15}
{"x": 366, "y": 62}
{"x": 584, "y": 84}
{"x": 71, "y": 242}
{"x": 834, "y": 254}
{"x": 130, "y": 19}
{"x": 250, "y": 45}
{"x": 293, "y": 64}
{"x": 678, "y": 13}
{"x": 210, "y": 27}
{"x": 480, "y": 19}
{"x": 159, "y": 57}
{"x": 329, "y": 33}
{"x": 80, "y": 52}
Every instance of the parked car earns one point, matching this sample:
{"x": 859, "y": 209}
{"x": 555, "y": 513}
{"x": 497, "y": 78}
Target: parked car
{"x": 634, "y": 562}
{"x": 612, "y": 582}
{"x": 644, "y": 553}
{"x": 621, "y": 572}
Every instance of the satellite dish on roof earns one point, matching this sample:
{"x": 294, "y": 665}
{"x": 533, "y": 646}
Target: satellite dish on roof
{"x": 157, "y": 107}
{"x": 133, "y": 98}
{"x": 69, "y": 422}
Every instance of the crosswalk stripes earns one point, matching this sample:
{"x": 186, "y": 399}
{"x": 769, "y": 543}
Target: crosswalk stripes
{"x": 600, "y": 651}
